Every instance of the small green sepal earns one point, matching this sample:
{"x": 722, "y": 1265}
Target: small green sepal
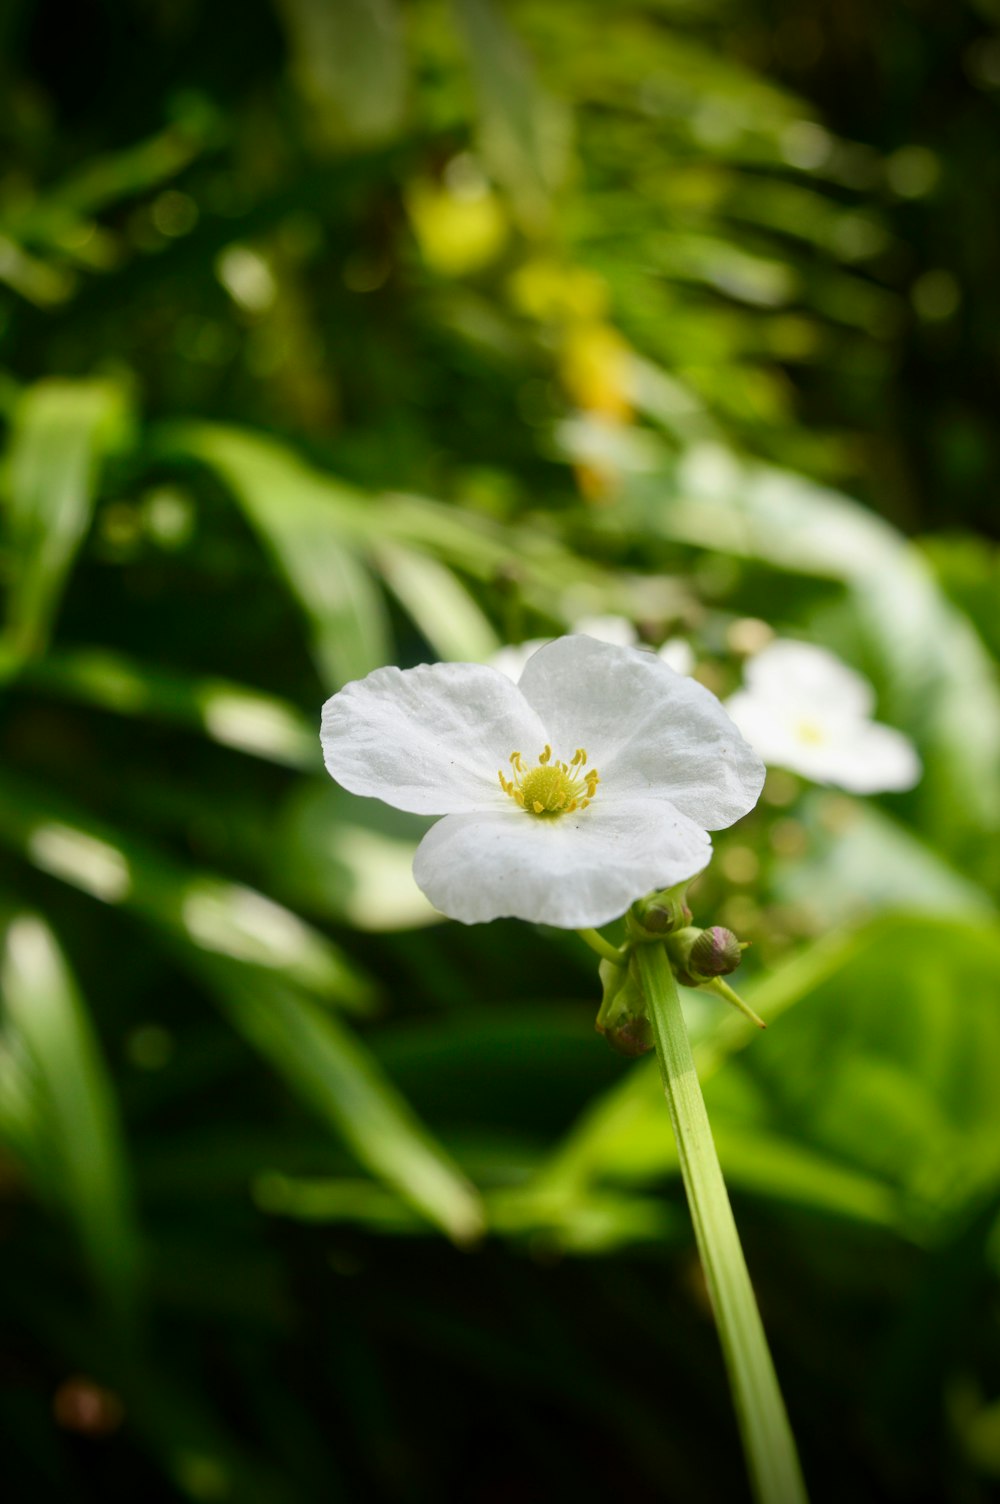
{"x": 723, "y": 989}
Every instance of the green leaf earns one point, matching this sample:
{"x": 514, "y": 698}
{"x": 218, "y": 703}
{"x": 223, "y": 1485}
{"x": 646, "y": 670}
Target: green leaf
{"x": 308, "y": 521}
{"x": 349, "y": 60}
{"x": 881, "y": 1080}
{"x": 75, "y": 1146}
{"x": 332, "y": 1072}
{"x": 61, "y": 432}
{"x": 524, "y": 133}
{"x": 439, "y": 605}
{"x": 61, "y": 220}
{"x": 199, "y": 911}
{"x": 350, "y": 859}
{"x": 234, "y": 715}
{"x": 482, "y": 548}
{"x": 872, "y": 862}
{"x": 31, "y": 277}
{"x": 599, "y": 1223}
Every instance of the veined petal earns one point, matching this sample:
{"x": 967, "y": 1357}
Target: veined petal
{"x": 648, "y": 730}
{"x": 430, "y": 739}
{"x": 575, "y": 871}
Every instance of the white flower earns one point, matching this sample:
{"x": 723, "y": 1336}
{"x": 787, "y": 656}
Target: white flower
{"x": 805, "y": 710}
{"x": 566, "y": 796}
{"x": 676, "y": 651}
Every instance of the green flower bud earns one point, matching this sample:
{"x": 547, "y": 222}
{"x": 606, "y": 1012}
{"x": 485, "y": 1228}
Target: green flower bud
{"x": 633, "y": 1037}
{"x": 622, "y": 1017}
{"x": 658, "y": 914}
{"x": 715, "y": 953}
{"x": 699, "y": 955}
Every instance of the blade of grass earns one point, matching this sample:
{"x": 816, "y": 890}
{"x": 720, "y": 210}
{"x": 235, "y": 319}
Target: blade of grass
{"x": 438, "y": 603}
{"x": 234, "y": 715}
{"x": 525, "y": 134}
{"x": 78, "y": 1146}
{"x": 304, "y": 519}
{"x": 61, "y": 432}
{"x": 201, "y": 912}
{"x": 330, "y": 1070}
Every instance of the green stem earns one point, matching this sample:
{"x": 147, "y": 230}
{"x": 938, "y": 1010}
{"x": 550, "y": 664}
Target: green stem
{"x": 767, "y": 1438}
{"x": 604, "y": 948}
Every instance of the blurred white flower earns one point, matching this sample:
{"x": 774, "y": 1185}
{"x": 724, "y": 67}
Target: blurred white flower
{"x": 511, "y": 660}
{"x": 677, "y": 652}
{"x": 565, "y": 797}
{"x": 615, "y": 629}
{"x": 804, "y": 710}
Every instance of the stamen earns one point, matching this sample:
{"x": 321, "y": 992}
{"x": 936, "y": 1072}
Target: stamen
{"x": 551, "y": 788}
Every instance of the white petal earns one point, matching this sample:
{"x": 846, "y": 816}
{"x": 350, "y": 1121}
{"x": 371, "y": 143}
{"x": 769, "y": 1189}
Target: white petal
{"x": 866, "y": 758}
{"x": 878, "y": 759}
{"x": 430, "y": 739}
{"x": 574, "y": 872}
{"x": 770, "y": 729}
{"x": 648, "y": 730}
{"x": 849, "y": 753}
{"x": 801, "y": 674}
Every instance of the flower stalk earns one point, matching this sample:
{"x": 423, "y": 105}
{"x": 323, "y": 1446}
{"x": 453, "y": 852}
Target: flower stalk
{"x": 603, "y": 948}
{"x": 763, "y": 1422}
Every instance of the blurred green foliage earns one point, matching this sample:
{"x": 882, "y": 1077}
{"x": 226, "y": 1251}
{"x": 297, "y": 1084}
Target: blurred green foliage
{"x": 342, "y": 332}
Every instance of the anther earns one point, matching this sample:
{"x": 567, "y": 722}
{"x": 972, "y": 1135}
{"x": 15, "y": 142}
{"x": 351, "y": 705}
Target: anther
{"x": 552, "y": 787}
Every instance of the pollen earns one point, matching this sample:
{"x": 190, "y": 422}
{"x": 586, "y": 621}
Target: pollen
{"x": 550, "y": 788}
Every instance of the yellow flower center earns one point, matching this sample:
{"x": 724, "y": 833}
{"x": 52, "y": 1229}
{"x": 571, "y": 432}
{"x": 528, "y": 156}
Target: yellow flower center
{"x": 811, "y": 733}
{"x": 551, "y": 788}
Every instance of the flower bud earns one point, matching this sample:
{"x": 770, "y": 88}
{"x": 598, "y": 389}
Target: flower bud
{"x": 633, "y": 1037}
{"x": 622, "y": 1017}
{"x": 659, "y": 914}
{"x": 699, "y": 955}
{"x": 715, "y": 953}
